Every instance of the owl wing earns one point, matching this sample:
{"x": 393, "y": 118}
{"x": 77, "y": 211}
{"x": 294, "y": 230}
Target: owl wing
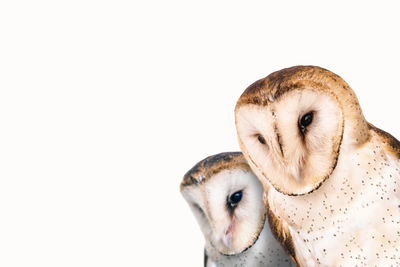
{"x": 207, "y": 261}
{"x": 392, "y": 144}
{"x": 282, "y": 233}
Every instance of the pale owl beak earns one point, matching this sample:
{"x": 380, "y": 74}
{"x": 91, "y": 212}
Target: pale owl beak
{"x": 228, "y": 236}
{"x": 296, "y": 174}
{"x": 297, "y": 170}
{"x": 227, "y": 240}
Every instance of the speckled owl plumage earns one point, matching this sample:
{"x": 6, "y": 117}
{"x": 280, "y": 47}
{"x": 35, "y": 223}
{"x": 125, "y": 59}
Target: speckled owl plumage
{"x": 208, "y": 188}
{"x": 332, "y": 185}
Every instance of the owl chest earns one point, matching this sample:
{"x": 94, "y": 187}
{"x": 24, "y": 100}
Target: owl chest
{"x": 353, "y": 219}
{"x": 359, "y": 238}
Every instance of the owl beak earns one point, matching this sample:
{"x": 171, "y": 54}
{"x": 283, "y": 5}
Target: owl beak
{"x": 227, "y": 239}
{"x": 297, "y": 171}
{"x": 228, "y": 236}
{"x": 297, "y": 175}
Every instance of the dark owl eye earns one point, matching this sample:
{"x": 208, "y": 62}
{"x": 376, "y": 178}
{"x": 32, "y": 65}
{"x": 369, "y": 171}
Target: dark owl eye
{"x": 235, "y": 198}
{"x": 261, "y": 139}
{"x": 306, "y": 120}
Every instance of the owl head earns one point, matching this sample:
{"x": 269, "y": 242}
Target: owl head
{"x": 292, "y": 124}
{"x": 227, "y": 201}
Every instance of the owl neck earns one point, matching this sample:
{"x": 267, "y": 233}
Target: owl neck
{"x": 344, "y": 188}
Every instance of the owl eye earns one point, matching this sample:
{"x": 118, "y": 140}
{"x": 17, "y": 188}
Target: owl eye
{"x": 234, "y": 199}
{"x": 261, "y": 139}
{"x": 306, "y": 120}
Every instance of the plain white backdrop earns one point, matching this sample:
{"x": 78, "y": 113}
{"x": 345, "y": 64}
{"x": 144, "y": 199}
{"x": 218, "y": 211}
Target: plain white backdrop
{"x": 104, "y": 105}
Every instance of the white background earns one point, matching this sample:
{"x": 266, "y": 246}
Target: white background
{"x": 104, "y": 105}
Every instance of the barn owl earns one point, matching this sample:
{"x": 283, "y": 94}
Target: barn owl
{"x": 227, "y": 201}
{"x": 331, "y": 178}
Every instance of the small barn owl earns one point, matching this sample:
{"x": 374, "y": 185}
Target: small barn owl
{"x": 227, "y": 201}
{"x": 332, "y": 178}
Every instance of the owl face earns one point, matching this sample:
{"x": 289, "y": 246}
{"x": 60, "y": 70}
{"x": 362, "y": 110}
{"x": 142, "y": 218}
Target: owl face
{"x": 227, "y": 203}
{"x": 291, "y": 135}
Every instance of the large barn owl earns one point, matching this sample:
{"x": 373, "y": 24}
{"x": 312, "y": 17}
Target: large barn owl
{"x": 332, "y": 178}
{"x": 227, "y": 201}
